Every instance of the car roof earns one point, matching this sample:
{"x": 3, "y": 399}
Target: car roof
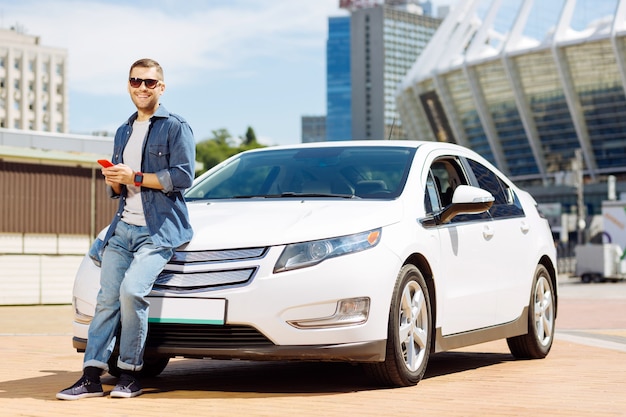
{"x": 367, "y": 143}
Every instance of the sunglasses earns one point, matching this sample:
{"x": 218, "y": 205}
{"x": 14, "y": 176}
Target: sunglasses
{"x": 136, "y": 82}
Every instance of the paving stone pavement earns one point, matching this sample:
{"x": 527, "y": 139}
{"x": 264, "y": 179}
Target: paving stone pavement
{"x": 584, "y": 374}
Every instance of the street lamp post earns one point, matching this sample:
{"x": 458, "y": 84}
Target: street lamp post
{"x": 578, "y": 171}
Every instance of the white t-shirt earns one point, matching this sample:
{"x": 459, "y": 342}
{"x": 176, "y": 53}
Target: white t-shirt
{"x": 133, "y": 209}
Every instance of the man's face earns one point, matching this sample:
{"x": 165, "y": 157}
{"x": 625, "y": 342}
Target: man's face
{"x": 146, "y": 99}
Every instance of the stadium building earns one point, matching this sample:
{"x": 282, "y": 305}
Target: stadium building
{"x": 526, "y": 83}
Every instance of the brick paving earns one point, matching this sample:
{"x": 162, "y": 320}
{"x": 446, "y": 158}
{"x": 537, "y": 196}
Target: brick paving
{"x": 584, "y": 374}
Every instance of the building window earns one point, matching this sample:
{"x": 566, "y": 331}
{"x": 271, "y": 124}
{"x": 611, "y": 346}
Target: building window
{"x": 60, "y": 69}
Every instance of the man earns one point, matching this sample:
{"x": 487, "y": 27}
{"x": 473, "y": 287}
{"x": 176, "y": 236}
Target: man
{"x": 153, "y": 163}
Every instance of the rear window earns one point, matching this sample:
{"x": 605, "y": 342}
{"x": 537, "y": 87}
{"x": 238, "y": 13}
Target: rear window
{"x": 506, "y": 203}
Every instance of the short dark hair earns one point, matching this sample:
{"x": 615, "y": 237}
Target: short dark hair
{"x": 147, "y": 63}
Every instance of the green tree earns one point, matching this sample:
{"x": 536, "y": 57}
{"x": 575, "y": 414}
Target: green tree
{"x": 250, "y": 138}
{"x": 221, "y": 146}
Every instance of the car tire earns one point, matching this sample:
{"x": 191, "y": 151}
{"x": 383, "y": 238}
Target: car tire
{"x": 409, "y": 334}
{"x": 598, "y": 278}
{"x": 152, "y": 366}
{"x": 541, "y": 320}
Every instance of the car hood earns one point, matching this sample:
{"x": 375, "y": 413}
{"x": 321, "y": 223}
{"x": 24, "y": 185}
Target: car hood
{"x": 247, "y": 223}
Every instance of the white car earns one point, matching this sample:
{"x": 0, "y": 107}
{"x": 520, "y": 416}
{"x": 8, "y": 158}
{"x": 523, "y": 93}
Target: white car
{"x": 372, "y": 252}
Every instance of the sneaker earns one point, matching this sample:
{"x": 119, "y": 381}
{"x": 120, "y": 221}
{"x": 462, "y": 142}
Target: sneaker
{"x": 83, "y": 388}
{"x": 127, "y": 387}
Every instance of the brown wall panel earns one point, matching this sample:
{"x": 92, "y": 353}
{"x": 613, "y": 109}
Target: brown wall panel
{"x": 52, "y": 199}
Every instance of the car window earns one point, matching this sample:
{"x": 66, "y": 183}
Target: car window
{"x": 432, "y": 203}
{"x": 506, "y": 203}
{"x": 445, "y": 175}
{"x": 343, "y": 172}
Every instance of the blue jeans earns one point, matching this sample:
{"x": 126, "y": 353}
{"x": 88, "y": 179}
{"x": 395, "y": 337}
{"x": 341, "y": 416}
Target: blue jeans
{"x": 130, "y": 265}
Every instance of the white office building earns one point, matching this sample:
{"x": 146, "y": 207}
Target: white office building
{"x": 33, "y": 84}
{"x": 386, "y": 39}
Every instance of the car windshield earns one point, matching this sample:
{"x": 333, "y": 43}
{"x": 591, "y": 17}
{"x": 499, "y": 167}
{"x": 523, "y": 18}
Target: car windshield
{"x": 375, "y": 172}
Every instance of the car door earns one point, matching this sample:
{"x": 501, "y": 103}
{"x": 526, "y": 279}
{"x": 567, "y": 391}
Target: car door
{"x": 509, "y": 238}
{"x": 465, "y": 274}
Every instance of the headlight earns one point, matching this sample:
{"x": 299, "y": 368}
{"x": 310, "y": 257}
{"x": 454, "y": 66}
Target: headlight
{"x": 80, "y": 308}
{"x": 301, "y": 255}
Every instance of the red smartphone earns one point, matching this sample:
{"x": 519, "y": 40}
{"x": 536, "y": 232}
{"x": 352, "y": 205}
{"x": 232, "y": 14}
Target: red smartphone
{"x": 105, "y": 163}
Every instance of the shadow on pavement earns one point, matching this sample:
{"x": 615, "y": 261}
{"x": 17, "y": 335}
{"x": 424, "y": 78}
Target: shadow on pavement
{"x": 455, "y": 362}
{"x": 189, "y": 378}
{"x": 41, "y": 387}
{"x": 190, "y": 375}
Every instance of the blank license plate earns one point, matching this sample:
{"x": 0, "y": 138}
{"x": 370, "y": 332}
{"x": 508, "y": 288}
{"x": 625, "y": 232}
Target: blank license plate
{"x": 187, "y": 310}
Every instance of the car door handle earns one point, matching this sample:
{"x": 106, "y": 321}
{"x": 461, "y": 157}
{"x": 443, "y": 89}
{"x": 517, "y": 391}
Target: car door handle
{"x": 524, "y": 227}
{"x": 488, "y": 232}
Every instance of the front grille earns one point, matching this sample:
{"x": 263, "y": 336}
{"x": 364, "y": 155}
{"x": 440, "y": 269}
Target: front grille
{"x": 209, "y": 269}
{"x": 197, "y": 280}
{"x": 182, "y": 257}
{"x": 204, "y": 336}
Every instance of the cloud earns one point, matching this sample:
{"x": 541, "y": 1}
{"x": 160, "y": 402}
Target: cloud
{"x": 190, "y": 39}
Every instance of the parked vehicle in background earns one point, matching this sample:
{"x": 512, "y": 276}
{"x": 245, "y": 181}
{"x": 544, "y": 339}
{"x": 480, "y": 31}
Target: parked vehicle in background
{"x": 373, "y": 252}
{"x": 600, "y": 262}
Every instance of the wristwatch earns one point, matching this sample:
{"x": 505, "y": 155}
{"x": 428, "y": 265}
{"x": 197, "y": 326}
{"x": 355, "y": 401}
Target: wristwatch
{"x": 138, "y": 179}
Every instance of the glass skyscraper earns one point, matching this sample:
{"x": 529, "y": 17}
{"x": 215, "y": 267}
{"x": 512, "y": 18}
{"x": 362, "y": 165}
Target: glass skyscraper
{"x": 338, "y": 84}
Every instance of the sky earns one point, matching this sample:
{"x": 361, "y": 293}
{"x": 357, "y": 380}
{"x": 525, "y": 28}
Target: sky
{"x": 228, "y": 64}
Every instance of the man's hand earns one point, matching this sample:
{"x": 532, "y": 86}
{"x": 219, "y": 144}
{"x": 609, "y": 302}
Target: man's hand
{"x": 118, "y": 174}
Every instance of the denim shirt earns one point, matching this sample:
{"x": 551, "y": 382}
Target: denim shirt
{"x": 169, "y": 151}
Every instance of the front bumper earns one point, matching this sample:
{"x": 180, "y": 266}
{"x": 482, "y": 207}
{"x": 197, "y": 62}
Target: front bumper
{"x": 349, "y": 352}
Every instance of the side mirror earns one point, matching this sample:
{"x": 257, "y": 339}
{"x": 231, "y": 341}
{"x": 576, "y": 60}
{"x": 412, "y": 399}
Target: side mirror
{"x": 466, "y": 194}
{"x": 465, "y": 200}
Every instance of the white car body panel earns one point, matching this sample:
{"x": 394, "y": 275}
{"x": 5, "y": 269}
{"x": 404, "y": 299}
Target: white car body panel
{"x": 250, "y": 223}
{"x": 469, "y": 283}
